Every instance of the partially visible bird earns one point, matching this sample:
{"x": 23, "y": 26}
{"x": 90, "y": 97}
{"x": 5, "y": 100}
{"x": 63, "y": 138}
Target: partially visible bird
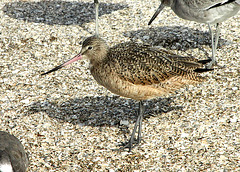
{"x": 137, "y": 71}
{"x": 203, "y": 11}
{"x": 13, "y": 157}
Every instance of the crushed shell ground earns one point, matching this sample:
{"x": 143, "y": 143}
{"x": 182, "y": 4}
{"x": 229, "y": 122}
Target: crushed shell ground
{"x": 67, "y": 122}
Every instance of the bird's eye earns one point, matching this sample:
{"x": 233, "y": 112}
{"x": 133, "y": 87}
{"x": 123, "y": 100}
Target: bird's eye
{"x": 89, "y": 47}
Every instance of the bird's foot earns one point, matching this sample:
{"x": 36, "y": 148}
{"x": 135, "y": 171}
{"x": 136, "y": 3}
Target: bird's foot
{"x": 129, "y": 145}
{"x": 214, "y": 63}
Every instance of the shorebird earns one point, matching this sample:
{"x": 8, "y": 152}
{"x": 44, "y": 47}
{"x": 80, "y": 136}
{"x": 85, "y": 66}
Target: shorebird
{"x": 13, "y": 157}
{"x": 137, "y": 71}
{"x": 208, "y": 11}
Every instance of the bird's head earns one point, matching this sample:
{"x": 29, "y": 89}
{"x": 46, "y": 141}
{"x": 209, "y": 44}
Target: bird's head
{"x": 94, "y": 49}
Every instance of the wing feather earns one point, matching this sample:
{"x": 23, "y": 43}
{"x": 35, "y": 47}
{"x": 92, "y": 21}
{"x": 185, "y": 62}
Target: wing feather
{"x": 144, "y": 65}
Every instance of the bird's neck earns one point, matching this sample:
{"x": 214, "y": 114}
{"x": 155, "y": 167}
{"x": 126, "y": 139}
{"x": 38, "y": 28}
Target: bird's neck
{"x": 168, "y": 3}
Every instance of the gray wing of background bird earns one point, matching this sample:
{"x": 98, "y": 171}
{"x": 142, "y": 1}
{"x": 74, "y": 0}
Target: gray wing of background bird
{"x": 207, "y": 4}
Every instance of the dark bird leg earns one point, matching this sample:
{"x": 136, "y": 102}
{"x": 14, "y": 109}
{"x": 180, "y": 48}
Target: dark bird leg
{"x": 132, "y": 141}
{"x": 140, "y": 115}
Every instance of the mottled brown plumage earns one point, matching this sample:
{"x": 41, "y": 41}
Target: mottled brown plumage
{"x": 12, "y": 152}
{"x": 137, "y": 71}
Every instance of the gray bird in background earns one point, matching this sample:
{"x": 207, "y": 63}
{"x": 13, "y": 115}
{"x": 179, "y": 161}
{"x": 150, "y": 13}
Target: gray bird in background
{"x": 13, "y": 157}
{"x": 203, "y": 11}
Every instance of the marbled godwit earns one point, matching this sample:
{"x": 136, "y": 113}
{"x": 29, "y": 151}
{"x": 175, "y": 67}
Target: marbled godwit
{"x": 12, "y": 154}
{"x": 137, "y": 71}
{"x": 207, "y": 11}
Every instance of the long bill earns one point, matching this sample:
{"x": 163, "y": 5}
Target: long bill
{"x": 76, "y": 58}
{"x": 161, "y": 6}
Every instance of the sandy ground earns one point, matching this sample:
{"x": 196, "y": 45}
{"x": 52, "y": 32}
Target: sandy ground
{"x": 67, "y": 122}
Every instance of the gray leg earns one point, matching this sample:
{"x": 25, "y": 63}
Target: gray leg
{"x": 138, "y": 125}
{"x": 96, "y": 15}
{"x": 214, "y": 44}
{"x": 141, "y": 111}
{"x": 216, "y": 37}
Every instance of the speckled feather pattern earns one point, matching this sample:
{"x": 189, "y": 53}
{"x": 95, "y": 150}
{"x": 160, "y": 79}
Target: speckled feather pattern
{"x": 139, "y": 71}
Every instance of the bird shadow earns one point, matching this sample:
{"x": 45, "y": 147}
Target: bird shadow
{"x": 58, "y": 12}
{"x": 174, "y": 37}
{"x": 100, "y": 111}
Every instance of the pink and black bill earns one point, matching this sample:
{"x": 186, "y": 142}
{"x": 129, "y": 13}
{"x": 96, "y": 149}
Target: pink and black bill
{"x": 76, "y": 58}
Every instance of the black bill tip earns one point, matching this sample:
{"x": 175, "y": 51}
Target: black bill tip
{"x": 161, "y": 6}
{"x": 52, "y": 70}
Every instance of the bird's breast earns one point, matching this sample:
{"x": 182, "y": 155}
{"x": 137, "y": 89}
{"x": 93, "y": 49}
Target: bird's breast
{"x": 107, "y": 77}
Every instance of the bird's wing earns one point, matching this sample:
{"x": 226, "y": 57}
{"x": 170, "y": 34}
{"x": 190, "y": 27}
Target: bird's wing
{"x": 141, "y": 64}
{"x": 203, "y": 4}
